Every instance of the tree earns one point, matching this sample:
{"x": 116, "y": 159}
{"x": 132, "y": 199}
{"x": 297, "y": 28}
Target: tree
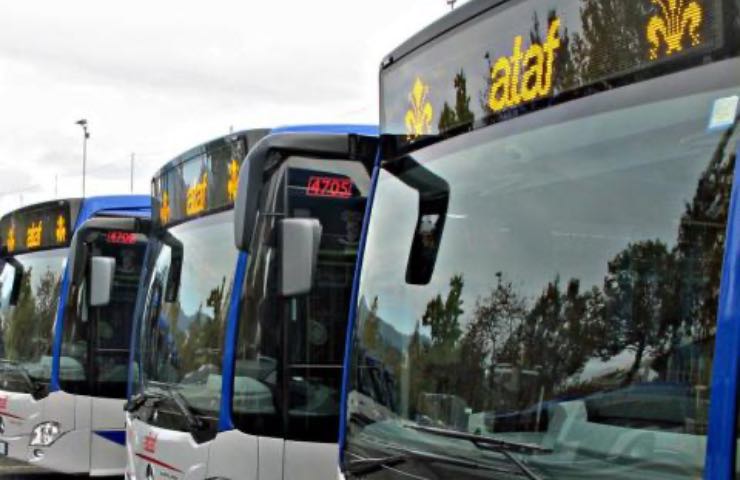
{"x": 640, "y": 299}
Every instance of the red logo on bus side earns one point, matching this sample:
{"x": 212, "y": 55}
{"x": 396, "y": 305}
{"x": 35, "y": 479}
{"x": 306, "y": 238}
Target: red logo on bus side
{"x": 150, "y": 443}
{"x": 3, "y": 403}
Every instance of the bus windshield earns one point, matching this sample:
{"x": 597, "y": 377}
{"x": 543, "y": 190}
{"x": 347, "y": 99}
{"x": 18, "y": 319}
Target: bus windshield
{"x": 26, "y": 327}
{"x": 569, "y": 311}
{"x": 181, "y": 330}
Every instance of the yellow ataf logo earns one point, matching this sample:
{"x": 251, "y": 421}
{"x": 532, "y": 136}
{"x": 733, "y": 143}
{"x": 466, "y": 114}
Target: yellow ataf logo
{"x": 525, "y": 76}
{"x": 419, "y": 115}
{"x": 61, "y": 231}
{"x": 677, "y": 19}
{"x": 33, "y": 234}
{"x": 196, "y": 201}
{"x": 233, "y": 183}
{"x": 11, "y": 239}
{"x": 164, "y": 210}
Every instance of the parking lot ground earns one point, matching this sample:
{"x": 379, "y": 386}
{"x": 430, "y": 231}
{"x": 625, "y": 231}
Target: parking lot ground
{"x": 12, "y": 470}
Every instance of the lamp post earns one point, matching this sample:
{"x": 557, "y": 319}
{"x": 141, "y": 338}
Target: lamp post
{"x": 451, "y": 3}
{"x": 86, "y": 135}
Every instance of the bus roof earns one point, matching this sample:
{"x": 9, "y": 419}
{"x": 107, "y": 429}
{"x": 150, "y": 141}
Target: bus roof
{"x": 444, "y": 24}
{"x": 252, "y": 135}
{"x": 133, "y": 205}
{"x": 359, "y": 129}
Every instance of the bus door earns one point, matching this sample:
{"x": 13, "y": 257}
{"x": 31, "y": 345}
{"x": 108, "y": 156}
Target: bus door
{"x": 290, "y": 345}
{"x": 108, "y": 257}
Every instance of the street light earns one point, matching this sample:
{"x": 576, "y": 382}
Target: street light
{"x": 83, "y": 124}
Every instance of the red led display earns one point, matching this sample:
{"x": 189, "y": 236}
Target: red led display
{"x": 329, "y": 187}
{"x": 125, "y": 238}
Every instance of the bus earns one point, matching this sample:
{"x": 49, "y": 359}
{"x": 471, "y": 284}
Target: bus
{"x": 549, "y": 268}
{"x": 239, "y": 353}
{"x": 68, "y": 287}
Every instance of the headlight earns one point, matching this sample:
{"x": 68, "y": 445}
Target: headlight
{"x": 44, "y": 434}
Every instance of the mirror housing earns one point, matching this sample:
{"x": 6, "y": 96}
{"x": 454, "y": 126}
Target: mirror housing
{"x": 247, "y": 198}
{"x": 102, "y": 270}
{"x": 299, "y": 240}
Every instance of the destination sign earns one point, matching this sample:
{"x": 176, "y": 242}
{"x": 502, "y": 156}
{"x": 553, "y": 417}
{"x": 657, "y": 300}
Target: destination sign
{"x": 203, "y": 180}
{"x": 42, "y": 226}
{"x": 523, "y": 55}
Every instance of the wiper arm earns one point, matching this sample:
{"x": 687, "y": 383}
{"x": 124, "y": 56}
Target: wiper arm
{"x": 366, "y": 466}
{"x": 179, "y": 399}
{"x": 504, "y": 447}
{"x": 140, "y": 399}
{"x": 488, "y": 443}
{"x": 32, "y": 384}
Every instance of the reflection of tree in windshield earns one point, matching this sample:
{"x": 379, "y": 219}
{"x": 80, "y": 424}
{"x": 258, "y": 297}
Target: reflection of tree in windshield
{"x": 200, "y": 344}
{"x": 658, "y": 304}
{"x": 27, "y": 337}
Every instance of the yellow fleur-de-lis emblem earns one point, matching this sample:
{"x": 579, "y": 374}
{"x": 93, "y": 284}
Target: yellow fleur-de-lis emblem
{"x": 61, "y": 231}
{"x": 678, "y": 19}
{"x": 419, "y": 115}
{"x": 233, "y": 183}
{"x": 164, "y": 209}
{"x": 11, "y": 238}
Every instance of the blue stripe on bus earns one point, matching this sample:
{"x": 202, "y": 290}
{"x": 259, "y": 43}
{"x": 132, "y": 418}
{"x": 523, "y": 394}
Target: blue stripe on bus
{"x": 353, "y": 307}
{"x": 721, "y": 444}
{"x": 225, "y": 421}
{"x": 115, "y": 436}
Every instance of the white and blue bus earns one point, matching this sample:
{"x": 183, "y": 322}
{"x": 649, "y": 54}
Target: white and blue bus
{"x": 548, "y": 280}
{"x": 68, "y": 285}
{"x": 239, "y": 351}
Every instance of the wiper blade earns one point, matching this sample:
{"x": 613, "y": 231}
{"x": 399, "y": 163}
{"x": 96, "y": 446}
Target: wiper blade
{"x": 488, "y": 443}
{"x": 366, "y": 466}
{"x": 33, "y": 384}
{"x": 140, "y": 399}
{"x": 504, "y": 447}
{"x": 181, "y": 402}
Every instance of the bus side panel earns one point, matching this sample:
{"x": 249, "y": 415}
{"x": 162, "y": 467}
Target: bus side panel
{"x": 70, "y": 453}
{"x": 165, "y": 454}
{"x": 20, "y": 413}
{"x": 234, "y": 455}
{"x": 108, "y": 442}
{"x": 322, "y": 457}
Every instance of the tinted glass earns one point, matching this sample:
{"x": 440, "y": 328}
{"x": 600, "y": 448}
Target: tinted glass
{"x": 572, "y": 295}
{"x": 181, "y": 341}
{"x": 290, "y": 351}
{"x": 26, "y": 328}
{"x": 95, "y": 342}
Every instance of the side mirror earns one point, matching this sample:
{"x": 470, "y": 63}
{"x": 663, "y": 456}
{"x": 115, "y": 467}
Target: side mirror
{"x": 247, "y": 198}
{"x": 299, "y": 251}
{"x": 102, "y": 270}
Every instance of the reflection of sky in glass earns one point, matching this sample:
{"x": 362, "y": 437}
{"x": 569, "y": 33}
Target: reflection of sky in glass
{"x": 559, "y": 201}
{"x": 209, "y": 255}
{"x": 38, "y": 264}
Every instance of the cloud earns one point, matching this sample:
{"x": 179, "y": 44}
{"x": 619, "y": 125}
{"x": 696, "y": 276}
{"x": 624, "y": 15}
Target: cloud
{"x": 157, "y": 78}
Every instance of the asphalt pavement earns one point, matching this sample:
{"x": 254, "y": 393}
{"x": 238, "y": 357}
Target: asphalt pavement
{"x": 12, "y": 470}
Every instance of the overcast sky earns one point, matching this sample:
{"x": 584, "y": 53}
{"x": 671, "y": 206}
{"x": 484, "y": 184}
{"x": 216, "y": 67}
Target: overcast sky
{"x": 157, "y": 77}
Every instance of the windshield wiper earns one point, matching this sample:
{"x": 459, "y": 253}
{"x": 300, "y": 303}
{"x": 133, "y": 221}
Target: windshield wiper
{"x": 34, "y": 386}
{"x": 194, "y": 422}
{"x": 140, "y": 399}
{"x": 504, "y": 447}
{"x": 488, "y": 443}
{"x": 366, "y": 466}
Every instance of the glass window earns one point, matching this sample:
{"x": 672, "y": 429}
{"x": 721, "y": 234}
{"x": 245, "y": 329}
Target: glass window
{"x": 571, "y": 297}
{"x": 290, "y": 351}
{"x": 95, "y": 341}
{"x": 180, "y": 341}
{"x": 26, "y": 328}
